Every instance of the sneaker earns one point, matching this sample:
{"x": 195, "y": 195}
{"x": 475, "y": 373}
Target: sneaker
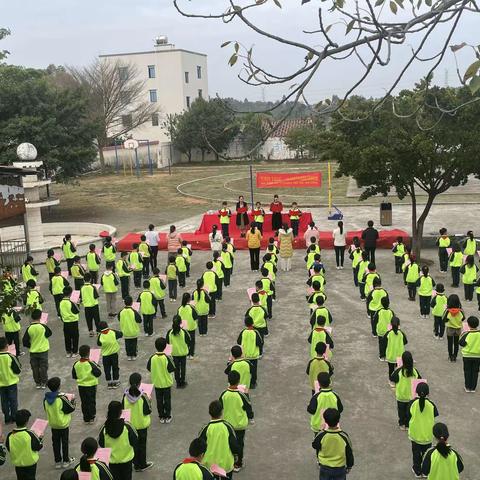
{"x": 134, "y": 358}
{"x": 43, "y": 386}
{"x": 146, "y": 334}
{"x": 58, "y": 465}
{"x": 68, "y": 355}
{"x": 110, "y": 386}
{"x": 146, "y": 467}
{"x": 38, "y": 386}
{"x": 115, "y": 385}
{"x": 68, "y": 462}
{"x": 237, "y": 468}
{"x": 403, "y": 428}
{"x": 162, "y": 420}
{"x": 74, "y": 355}
{"x": 168, "y": 419}
{"x": 466, "y": 390}
{"x": 417, "y": 475}
{"x": 91, "y": 334}
{"x": 21, "y": 354}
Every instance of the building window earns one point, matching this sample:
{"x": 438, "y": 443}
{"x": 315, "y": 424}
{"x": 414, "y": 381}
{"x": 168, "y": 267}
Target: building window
{"x": 126, "y": 121}
{"x": 188, "y": 102}
{"x": 123, "y": 73}
{"x": 151, "y": 71}
{"x": 200, "y": 93}
{"x": 199, "y": 72}
{"x": 153, "y": 96}
{"x": 155, "y": 120}
{"x": 187, "y": 77}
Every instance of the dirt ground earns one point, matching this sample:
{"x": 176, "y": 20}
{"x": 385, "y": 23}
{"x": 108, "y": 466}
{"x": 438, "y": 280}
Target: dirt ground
{"x": 278, "y": 445}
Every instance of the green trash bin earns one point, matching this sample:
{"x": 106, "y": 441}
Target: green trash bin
{"x": 386, "y": 214}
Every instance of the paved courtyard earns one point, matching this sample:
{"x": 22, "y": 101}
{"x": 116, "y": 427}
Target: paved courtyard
{"x": 278, "y": 445}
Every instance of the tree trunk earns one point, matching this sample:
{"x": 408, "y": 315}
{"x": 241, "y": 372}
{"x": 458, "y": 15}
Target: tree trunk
{"x": 203, "y": 155}
{"x": 420, "y": 222}
{"x": 101, "y": 157}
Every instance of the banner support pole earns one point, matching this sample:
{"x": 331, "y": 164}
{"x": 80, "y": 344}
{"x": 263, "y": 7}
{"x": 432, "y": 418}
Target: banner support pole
{"x": 329, "y": 188}
{"x": 251, "y": 186}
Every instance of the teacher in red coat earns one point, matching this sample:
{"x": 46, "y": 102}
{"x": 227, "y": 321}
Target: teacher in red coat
{"x": 276, "y": 208}
{"x": 242, "y": 215}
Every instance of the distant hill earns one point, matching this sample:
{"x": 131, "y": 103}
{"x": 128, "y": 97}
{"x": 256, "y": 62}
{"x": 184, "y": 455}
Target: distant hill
{"x": 300, "y": 110}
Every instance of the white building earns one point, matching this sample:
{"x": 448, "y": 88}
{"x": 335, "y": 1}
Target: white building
{"x": 173, "y": 77}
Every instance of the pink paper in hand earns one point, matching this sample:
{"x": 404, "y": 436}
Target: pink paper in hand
{"x": 70, "y": 396}
{"x": 329, "y": 330}
{"x": 44, "y": 318}
{"x": 84, "y": 475}
{"x": 465, "y": 327}
{"x": 57, "y": 257}
{"x": 95, "y": 355}
{"x": 65, "y": 274}
{"x": 316, "y": 386}
{"x": 163, "y": 278}
{"x": 103, "y": 454}
{"x": 75, "y": 296}
{"x": 147, "y": 389}
{"x": 250, "y": 292}
{"x": 242, "y": 388}
{"x": 399, "y": 362}
{"x": 136, "y": 306}
{"x": 216, "y": 470}
{"x": 11, "y": 349}
{"x": 126, "y": 415}
{"x": 168, "y": 349}
{"x": 39, "y": 426}
{"x": 97, "y": 286}
{"x": 449, "y": 251}
{"x": 415, "y": 384}
{"x": 184, "y": 324}
{"x": 98, "y": 251}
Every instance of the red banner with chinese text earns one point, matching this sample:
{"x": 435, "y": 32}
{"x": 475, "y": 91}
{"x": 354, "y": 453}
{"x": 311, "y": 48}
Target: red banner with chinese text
{"x": 289, "y": 180}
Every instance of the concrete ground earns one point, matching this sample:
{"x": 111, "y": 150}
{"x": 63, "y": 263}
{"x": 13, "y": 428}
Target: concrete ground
{"x": 279, "y": 444}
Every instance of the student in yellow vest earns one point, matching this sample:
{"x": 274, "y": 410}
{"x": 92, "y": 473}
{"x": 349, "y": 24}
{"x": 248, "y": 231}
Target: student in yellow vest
{"x": 78, "y": 272}
{"x": 425, "y": 285}
{"x": 220, "y": 271}
{"x": 374, "y": 301}
{"x": 453, "y": 318}
{"x": 469, "y": 277}
{"x": 355, "y": 255}
{"x": 227, "y": 261}
{"x": 136, "y": 264}
{"x": 361, "y": 270}
{"x": 238, "y": 412}
{"x": 320, "y": 401}
{"x": 240, "y": 364}
{"x": 161, "y": 367}
{"x": 121, "y": 438}
{"x": 269, "y": 287}
{"x": 188, "y": 315}
{"x": 108, "y": 341}
{"x": 470, "y": 343}
{"x": 443, "y": 242}
{"x": 456, "y": 262}
{"x": 70, "y": 314}
{"x": 51, "y": 262}
{"x": 68, "y": 249}
{"x": 442, "y": 461}
{"x": 158, "y": 289}
{"x": 172, "y": 274}
{"x": 130, "y": 321}
{"x": 222, "y": 445}
{"x": 210, "y": 284}
{"x": 333, "y": 447}
{"x": 402, "y": 378}
{"x": 145, "y": 253}
{"x": 368, "y": 278}
{"x": 268, "y": 264}
{"x": 187, "y": 254}
{"x": 11, "y": 327}
{"x": 23, "y": 446}
{"x": 140, "y": 408}
{"x": 147, "y": 308}
{"x": 179, "y": 339}
{"x": 201, "y": 299}
{"x": 262, "y": 294}
{"x": 294, "y": 214}
{"x": 316, "y": 292}
{"x": 398, "y": 252}
{"x": 93, "y": 263}
{"x": 321, "y": 311}
{"x": 109, "y": 282}
{"x": 192, "y": 467}
{"x": 35, "y": 339}
{"x": 259, "y": 315}
{"x": 470, "y": 245}
{"x": 318, "y": 364}
{"x": 251, "y": 343}
{"x": 259, "y": 216}
{"x": 28, "y": 272}
{"x": 231, "y": 249}
{"x": 381, "y": 321}
{"x": 316, "y": 275}
{"x": 320, "y": 335}
{"x": 86, "y": 372}
{"x": 395, "y": 340}
{"x": 411, "y": 276}
{"x": 224, "y": 215}
{"x": 89, "y": 298}
{"x": 59, "y": 415}
{"x": 124, "y": 273}
{"x": 33, "y": 299}
{"x": 439, "y": 304}
{"x": 10, "y": 369}
{"x": 89, "y": 464}
{"x": 421, "y": 418}
{"x": 109, "y": 251}
{"x": 181, "y": 264}
{"x": 57, "y": 284}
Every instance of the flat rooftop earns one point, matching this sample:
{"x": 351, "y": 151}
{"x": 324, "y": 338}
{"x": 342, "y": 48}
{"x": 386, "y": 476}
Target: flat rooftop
{"x": 161, "y": 50}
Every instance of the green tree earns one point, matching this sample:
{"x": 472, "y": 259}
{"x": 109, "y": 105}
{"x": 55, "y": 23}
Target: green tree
{"x": 180, "y": 133}
{"x": 253, "y": 127}
{"x": 4, "y": 32}
{"x": 54, "y": 119}
{"x": 386, "y": 154}
{"x": 301, "y": 139}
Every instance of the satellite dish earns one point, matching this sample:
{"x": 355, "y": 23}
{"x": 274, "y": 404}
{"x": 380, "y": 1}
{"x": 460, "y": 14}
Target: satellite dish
{"x": 26, "y": 151}
{"x": 131, "y": 144}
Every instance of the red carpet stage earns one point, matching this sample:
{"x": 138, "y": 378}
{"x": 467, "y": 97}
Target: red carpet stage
{"x": 199, "y": 239}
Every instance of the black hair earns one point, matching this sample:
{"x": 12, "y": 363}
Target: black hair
{"x": 151, "y": 226}
{"x": 443, "y": 231}
{"x": 172, "y": 228}
{"x": 135, "y": 245}
{"x": 248, "y": 321}
{"x": 143, "y": 238}
{"x": 356, "y": 242}
{"x": 331, "y": 417}
{"x": 70, "y": 474}
{"x": 320, "y": 348}
{"x": 472, "y": 322}
{"x": 439, "y": 288}
{"x": 200, "y": 284}
{"x": 197, "y": 448}
{"x": 422, "y": 391}
{"x": 53, "y": 384}
{"x": 109, "y": 265}
{"x": 103, "y": 325}
{"x": 377, "y": 282}
{"x": 89, "y": 447}
{"x": 50, "y": 252}
{"x": 156, "y": 271}
{"x": 146, "y": 284}
{"x": 385, "y": 301}
{"x": 215, "y": 409}
{"x": 395, "y": 323}
{"x": 470, "y": 234}
{"x": 84, "y": 351}
{"x": 160, "y": 344}
{"x": 3, "y": 343}
{"x": 320, "y": 300}
{"x": 171, "y": 259}
{"x": 264, "y": 272}
{"x": 407, "y": 360}
{"x": 21, "y": 417}
{"x": 57, "y": 270}
{"x": 113, "y": 416}
{"x": 36, "y": 314}
{"x": 425, "y": 270}
{"x": 233, "y": 377}
{"x": 316, "y": 285}
{"x": 128, "y": 300}
{"x": 186, "y": 299}
{"x": 176, "y": 325}
{"x": 252, "y": 227}
{"x": 470, "y": 260}
{"x": 87, "y": 277}
{"x": 255, "y": 297}
{"x": 76, "y": 258}
{"x": 135, "y": 380}
{"x": 370, "y": 223}
{"x": 209, "y": 265}
{"x": 236, "y": 351}
{"x": 66, "y": 238}
{"x": 31, "y": 283}
{"x": 440, "y": 432}
{"x": 453, "y": 301}
{"x": 340, "y": 225}
{"x": 67, "y": 290}
{"x": 323, "y": 379}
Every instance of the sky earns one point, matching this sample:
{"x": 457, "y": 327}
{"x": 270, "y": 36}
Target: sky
{"x": 74, "y": 32}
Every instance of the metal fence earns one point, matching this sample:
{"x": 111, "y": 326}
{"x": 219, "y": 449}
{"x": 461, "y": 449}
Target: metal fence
{"x": 13, "y": 254}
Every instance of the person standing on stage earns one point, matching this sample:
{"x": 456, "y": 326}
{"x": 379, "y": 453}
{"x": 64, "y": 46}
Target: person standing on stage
{"x": 152, "y": 241}
{"x": 276, "y": 208}
{"x": 242, "y": 215}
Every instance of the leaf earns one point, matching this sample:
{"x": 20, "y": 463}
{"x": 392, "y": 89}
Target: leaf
{"x": 309, "y": 55}
{"x": 456, "y": 48}
{"x": 474, "y": 84}
{"x": 393, "y": 7}
{"x": 472, "y": 70}
{"x": 224, "y": 44}
{"x": 277, "y": 3}
{"x": 350, "y": 25}
{"x": 379, "y": 2}
{"x": 233, "y": 60}
{"x": 237, "y": 47}
{"x": 305, "y": 1}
